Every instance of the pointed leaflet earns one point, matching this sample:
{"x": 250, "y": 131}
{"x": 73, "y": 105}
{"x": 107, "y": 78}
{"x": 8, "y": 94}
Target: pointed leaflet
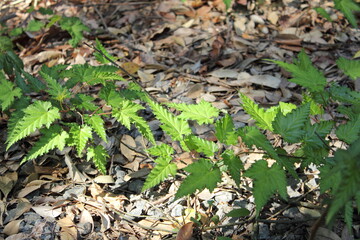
{"x": 266, "y": 182}
{"x": 54, "y": 137}
{"x": 126, "y": 114}
{"x": 201, "y": 145}
{"x": 160, "y": 172}
{"x": 79, "y": 137}
{"x": 315, "y": 133}
{"x": 74, "y": 27}
{"x": 57, "y": 91}
{"x": 96, "y": 123}
{"x": 263, "y": 118}
{"x": 8, "y": 92}
{"x": 36, "y": 116}
{"x": 99, "y": 57}
{"x": 225, "y": 130}
{"x": 347, "y": 7}
{"x": 203, "y": 174}
{"x": 234, "y": 165}
{"x": 203, "y": 112}
{"x": 84, "y": 102}
{"x": 304, "y": 73}
{"x": 344, "y": 94}
{"x": 291, "y": 126}
{"x": 350, "y": 67}
{"x": 172, "y": 125}
{"x": 161, "y": 150}
{"x": 98, "y": 155}
{"x": 350, "y": 131}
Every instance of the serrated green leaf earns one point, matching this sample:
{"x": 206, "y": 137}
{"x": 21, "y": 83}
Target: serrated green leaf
{"x": 238, "y": 213}
{"x": 225, "y": 130}
{"x": 36, "y": 116}
{"x": 16, "y": 32}
{"x": 143, "y": 127}
{"x": 203, "y": 174}
{"x": 34, "y": 26}
{"x": 79, "y": 135}
{"x": 267, "y": 181}
{"x": 8, "y": 92}
{"x": 96, "y": 123}
{"x": 5, "y": 44}
{"x": 348, "y": 215}
{"x": 162, "y": 150}
{"x": 350, "y": 67}
{"x": 304, "y": 73}
{"x": 290, "y": 127}
{"x": 263, "y": 118}
{"x": 46, "y": 11}
{"x": 203, "y": 112}
{"x": 34, "y": 82}
{"x": 160, "y": 172}
{"x": 344, "y": 94}
{"x": 233, "y": 164}
{"x": 98, "y": 155}
{"x": 323, "y": 13}
{"x": 347, "y": 7}
{"x": 84, "y": 102}
{"x": 174, "y": 126}
{"x": 74, "y": 27}
{"x": 227, "y": 4}
{"x": 99, "y": 57}
{"x": 201, "y": 145}
{"x": 315, "y": 108}
{"x": 54, "y": 19}
{"x": 350, "y": 131}
{"x": 55, "y": 89}
{"x": 315, "y": 133}
{"x": 54, "y": 137}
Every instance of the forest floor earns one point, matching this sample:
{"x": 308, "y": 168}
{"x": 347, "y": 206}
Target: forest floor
{"x": 180, "y": 52}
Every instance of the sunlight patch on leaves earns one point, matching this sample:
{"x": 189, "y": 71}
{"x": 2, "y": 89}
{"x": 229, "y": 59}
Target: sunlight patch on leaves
{"x": 36, "y": 116}
{"x": 203, "y": 174}
{"x": 267, "y": 181}
{"x": 79, "y": 135}
{"x": 203, "y": 112}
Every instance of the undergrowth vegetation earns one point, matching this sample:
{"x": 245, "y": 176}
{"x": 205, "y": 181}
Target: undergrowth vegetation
{"x": 66, "y": 114}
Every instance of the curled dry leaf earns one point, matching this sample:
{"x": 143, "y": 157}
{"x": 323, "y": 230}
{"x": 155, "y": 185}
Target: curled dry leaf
{"x": 185, "y": 232}
{"x": 12, "y": 227}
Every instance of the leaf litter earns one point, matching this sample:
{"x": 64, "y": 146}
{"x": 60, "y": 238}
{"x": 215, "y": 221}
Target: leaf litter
{"x": 181, "y": 52}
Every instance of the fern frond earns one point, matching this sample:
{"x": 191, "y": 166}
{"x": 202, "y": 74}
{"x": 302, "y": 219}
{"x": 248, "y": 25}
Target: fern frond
{"x": 350, "y": 131}
{"x": 350, "y": 67}
{"x": 98, "y": 155}
{"x": 55, "y": 90}
{"x": 225, "y": 130}
{"x": 36, "y": 116}
{"x": 8, "y": 92}
{"x": 344, "y": 94}
{"x": 315, "y": 133}
{"x": 54, "y": 137}
{"x": 162, "y": 150}
{"x": 174, "y": 126}
{"x": 79, "y": 135}
{"x": 347, "y": 7}
{"x": 203, "y": 112}
{"x": 84, "y": 102}
{"x": 99, "y": 57}
{"x": 74, "y": 27}
{"x": 203, "y": 174}
{"x": 305, "y": 74}
{"x": 201, "y": 145}
{"x": 290, "y": 127}
{"x": 263, "y": 118}
{"x": 233, "y": 164}
{"x": 96, "y": 123}
{"x": 143, "y": 127}
{"x": 160, "y": 172}
{"x": 267, "y": 181}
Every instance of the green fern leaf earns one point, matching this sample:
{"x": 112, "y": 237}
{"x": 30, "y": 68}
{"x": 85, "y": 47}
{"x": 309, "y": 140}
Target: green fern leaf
{"x": 304, "y": 73}
{"x": 290, "y": 127}
{"x": 350, "y": 67}
{"x": 55, "y": 90}
{"x": 79, "y": 135}
{"x": 266, "y": 182}
{"x": 201, "y": 145}
{"x": 160, "y": 172}
{"x": 350, "y": 131}
{"x": 162, "y": 150}
{"x": 233, "y": 164}
{"x": 347, "y": 7}
{"x": 54, "y": 137}
{"x": 174, "y": 126}
{"x": 203, "y": 174}
{"x": 34, "y": 82}
{"x": 315, "y": 108}
{"x": 203, "y": 112}
{"x": 344, "y": 94}
{"x": 323, "y": 13}
{"x": 110, "y": 95}
{"x": 8, "y": 92}
{"x": 143, "y": 128}
{"x": 74, "y": 27}
{"x": 36, "y": 116}
{"x": 96, "y": 123}
{"x": 348, "y": 214}
{"x": 84, "y": 102}
{"x": 315, "y": 133}
{"x": 98, "y": 155}
{"x": 225, "y": 130}
{"x": 99, "y": 57}
{"x": 263, "y": 118}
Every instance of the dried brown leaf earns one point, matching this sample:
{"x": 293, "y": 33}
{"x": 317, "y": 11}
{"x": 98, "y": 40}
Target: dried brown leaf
{"x": 185, "y": 232}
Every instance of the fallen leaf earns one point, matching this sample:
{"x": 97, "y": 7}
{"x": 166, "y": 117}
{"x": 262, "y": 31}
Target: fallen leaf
{"x": 127, "y": 143}
{"x": 7, "y": 182}
{"x": 185, "y": 232}
{"x": 31, "y": 186}
{"x": 68, "y": 229}
{"x": 326, "y": 234}
{"x": 105, "y": 179}
{"x": 12, "y": 227}
{"x": 74, "y": 173}
{"x": 47, "y": 211}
